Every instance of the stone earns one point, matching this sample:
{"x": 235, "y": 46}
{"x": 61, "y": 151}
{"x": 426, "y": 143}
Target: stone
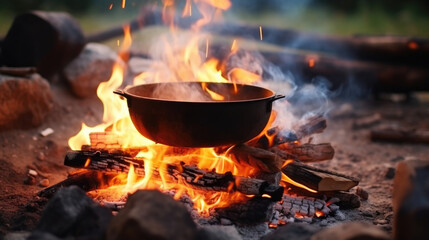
{"x": 150, "y": 214}
{"x": 351, "y": 231}
{"x": 71, "y": 213}
{"x": 93, "y": 66}
{"x": 44, "y": 182}
{"x": 37, "y": 235}
{"x": 16, "y": 236}
{"x": 24, "y": 101}
{"x": 411, "y": 199}
{"x": 216, "y": 232}
{"x": 296, "y": 231}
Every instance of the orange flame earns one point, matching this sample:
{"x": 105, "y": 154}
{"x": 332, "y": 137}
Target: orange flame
{"x": 286, "y": 179}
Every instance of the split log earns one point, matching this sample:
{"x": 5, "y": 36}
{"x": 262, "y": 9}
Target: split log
{"x": 187, "y": 174}
{"x": 86, "y": 180}
{"x": 347, "y": 200}
{"x": 400, "y": 135}
{"x": 307, "y": 152}
{"x": 314, "y": 178}
{"x": 318, "y": 179}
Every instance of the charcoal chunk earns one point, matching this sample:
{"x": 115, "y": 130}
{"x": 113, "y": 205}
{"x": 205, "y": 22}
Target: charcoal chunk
{"x": 296, "y": 231}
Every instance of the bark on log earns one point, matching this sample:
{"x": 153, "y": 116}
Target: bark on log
{"x": 318, "y": 179}
{"x": 187, "y": 174}
{"x": 307, "y": 152}
{"x": 400, "y": 135}
{"x": 86, "y": 180}
{"x": 263, "y": 160}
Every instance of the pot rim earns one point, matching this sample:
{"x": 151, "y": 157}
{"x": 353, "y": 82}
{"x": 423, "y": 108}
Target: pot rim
{"x": 125, "y": 93}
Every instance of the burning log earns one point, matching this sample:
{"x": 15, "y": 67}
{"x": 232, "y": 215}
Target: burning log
{"x": 400, "y": 135}
{"x": 258, "y": 158}
{"x": 307, "y": 152}
{"x": 318, "y": 179}
{"x": 189, "y": 175}
{"x": 86, "y": 180}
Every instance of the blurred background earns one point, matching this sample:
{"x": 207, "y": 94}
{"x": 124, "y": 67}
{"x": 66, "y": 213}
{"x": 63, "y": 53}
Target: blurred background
{"x": 396, "y": 17}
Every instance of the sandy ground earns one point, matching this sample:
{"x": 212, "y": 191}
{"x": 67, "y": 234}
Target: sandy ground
{"x": 355, "y": 155}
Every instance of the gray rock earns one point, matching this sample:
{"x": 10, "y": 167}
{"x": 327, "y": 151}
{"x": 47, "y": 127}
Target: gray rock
{"x": 24, "y": 101}
{"x": 93, "y": 66}
{"x": 72, "y": 213}
{"x": 351, "y": 230}
{"x": 16, "y": 236}
{"x": 217, "y": 232}
{"x": 411, "y": 199}
{"x": 149, "y": 214}
{"x": 37, "y": 235}
{"x": 296, "y": 231}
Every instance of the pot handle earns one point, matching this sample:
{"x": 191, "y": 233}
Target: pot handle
{"x": 277, "y": 97}
{"x": 120, "y": 92}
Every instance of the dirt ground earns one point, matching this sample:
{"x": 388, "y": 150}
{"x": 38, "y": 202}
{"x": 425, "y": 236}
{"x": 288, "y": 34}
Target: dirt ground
{"x": 355, "y": 155}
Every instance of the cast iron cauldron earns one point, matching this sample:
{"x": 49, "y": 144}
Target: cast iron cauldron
{"x": 241, "y": 116}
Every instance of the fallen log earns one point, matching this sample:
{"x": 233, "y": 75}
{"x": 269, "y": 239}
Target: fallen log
{"x": 400, "y": 135}
{"x": 388, "y": 49}
{"x": 187, "y": 174}
{"x": 87, "y": 180}
{"x": 318, "y": 179}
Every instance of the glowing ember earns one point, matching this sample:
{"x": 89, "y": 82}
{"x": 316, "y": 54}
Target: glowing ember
{"x": 111, "y": 6}
{"x": 311, "y": 62}
{"x": 123, "y": 4}
{"x": 260, "y": 32}
{"x": 413, "y": 45}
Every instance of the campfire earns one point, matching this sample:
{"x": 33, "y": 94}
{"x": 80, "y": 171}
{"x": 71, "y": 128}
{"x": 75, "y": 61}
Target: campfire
{"x": 214, "y": 133}
{"x": 244, "y": 182}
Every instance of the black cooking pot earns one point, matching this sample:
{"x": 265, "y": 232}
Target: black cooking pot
{"x": 185, "y": 122}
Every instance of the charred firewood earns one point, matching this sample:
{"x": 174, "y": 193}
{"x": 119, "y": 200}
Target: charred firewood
{"x": 86, "y": 180}
{"x": 187, "y": 174}
{"x": 253, "y": 211}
